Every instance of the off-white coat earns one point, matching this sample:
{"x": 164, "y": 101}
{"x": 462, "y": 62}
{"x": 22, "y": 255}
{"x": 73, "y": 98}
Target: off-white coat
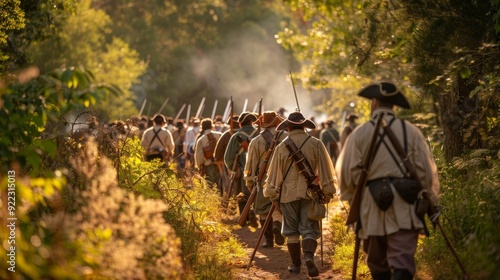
{"x": 294, "y": 185}
{"x": 400, "y": 215}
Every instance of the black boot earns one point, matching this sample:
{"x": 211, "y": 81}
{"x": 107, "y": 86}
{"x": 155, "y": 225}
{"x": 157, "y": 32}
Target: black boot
{"x": 401, "y": 274}
{"x": 278, "y": 238}
{"x": 252, "y": 218}
{"x": 268, "y": 234}
{"x": 294, "y": 251}
{"x": 309, "y": 248}
{"x": 382, "y": 275}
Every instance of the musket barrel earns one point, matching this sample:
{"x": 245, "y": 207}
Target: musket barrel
{"x": 295, "y": 92}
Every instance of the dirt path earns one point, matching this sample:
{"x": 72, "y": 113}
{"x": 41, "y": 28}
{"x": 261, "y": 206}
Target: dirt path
{"x": 272, "y": 263}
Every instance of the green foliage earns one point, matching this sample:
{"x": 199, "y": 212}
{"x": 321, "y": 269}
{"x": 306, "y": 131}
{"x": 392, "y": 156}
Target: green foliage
{"x": 446, "y": 50}
{"x": 342, "y": 246}
{"x": 24, "y": 22}
{"x": 86, "y": 40}
{"x": 193, "y": 211}
{"x": 469, "y": 201}
{"x": 28, "y": 105}
{"x": 12, "y": 18}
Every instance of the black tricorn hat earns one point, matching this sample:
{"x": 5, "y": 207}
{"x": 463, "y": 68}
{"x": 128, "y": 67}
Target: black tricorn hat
{"x": 247, "y": 116}
{"x": 297, "y": 119}
{"x": 386, "y": 92}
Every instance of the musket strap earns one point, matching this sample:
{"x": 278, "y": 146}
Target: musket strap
{"x": 298, "y": 157}
{"x": 156, "y": 136}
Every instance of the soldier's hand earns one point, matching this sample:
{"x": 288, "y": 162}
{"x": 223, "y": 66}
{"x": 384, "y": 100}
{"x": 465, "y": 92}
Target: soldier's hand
{"x": 249, "y": 185}
{"x": 327, "y": 199}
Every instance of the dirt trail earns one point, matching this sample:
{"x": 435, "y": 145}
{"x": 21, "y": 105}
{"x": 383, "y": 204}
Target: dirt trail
{"x": 272, "y": 263}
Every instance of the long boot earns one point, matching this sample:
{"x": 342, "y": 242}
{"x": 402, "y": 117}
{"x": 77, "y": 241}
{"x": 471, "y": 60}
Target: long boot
{"x": 309, "y": 248}
{"x": 401, "y": 274}
{"x": 382, "y": 275}
{"x": 294, "y": 251}
{"x": 278, "y": 238}
{"x": 268, "y": 234}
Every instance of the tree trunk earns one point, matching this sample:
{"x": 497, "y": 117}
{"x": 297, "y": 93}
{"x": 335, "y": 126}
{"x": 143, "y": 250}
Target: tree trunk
{"x": 459, "y": 112}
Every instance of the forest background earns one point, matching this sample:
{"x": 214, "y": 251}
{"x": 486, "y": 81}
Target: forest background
{"x": 60, "y": 58}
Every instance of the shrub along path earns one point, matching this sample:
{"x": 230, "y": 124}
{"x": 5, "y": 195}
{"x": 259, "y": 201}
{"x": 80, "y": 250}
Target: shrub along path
{"x": 272, "y": 263}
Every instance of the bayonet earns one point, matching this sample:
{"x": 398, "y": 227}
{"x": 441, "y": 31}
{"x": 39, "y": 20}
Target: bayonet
{"x": 142, "y": 107}
{"x": 163, "y": 105}
{"x": 295, "y": 92}
{"x": 214, "y": 109}
{"x": 200, "y": 108}
{"x": 245, "y": 105}
{"x": 179, "y": 113}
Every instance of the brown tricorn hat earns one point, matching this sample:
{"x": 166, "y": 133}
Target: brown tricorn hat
{"x": 296, "y": 119}
{"x": 269, "y": 119}
{"x": 386, "y": 92}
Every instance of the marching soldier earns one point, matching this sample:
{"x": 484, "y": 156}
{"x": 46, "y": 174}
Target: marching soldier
{"x": 287, "y": 187}
{"x": 330, "y": 138}
{"x": 157, "y": 141}
{"x": 389, "y": 225}
{"x": 257, "y": 151}
{"x": 351, "y": 118}
{"x": 235, "y": 158}
{"x": 178, "y": 135}
{"x": 190, "y": 140}
{"x": 220, "y": 149}
{"x": 204, "y": 152}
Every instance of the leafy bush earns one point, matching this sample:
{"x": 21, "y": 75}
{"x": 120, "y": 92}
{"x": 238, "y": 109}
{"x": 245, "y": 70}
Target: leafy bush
{"x": 471, "y": 219}
{"x": 342, "y": 240}
{"x": 94, "y": 217}
{"x": 193, "y": 210}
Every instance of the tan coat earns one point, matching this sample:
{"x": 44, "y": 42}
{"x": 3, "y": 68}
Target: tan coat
{"x": 163, "y": 134}
{"x": 257, "y": 151}
{"x": 202, "y": 142}
{"x": 400, "y": 215}
{"x": 294, "y": 185}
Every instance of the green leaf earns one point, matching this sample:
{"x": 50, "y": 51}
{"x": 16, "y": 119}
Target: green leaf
{"x": 48, "y": 146}
{"x": 465, "y": 73}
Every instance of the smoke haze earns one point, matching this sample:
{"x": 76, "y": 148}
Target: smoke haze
{"x": 251, "y": 65}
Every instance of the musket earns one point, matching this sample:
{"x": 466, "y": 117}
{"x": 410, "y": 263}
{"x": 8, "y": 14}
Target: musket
{"x": 432, "y": 211}
{"x": 200, "y": 108}
{"x": 295, "y": 93}
{"x": 226, "y": 112}
{"x": 201, "y": 111}
{"x": 214, "y": 109}
{"x": 356, "y": 201}
{"x": 245, "y": 104}
{"x": 262, "y": 171}
{"x": 268, "y": 220}
{"x": 260, "y": 112}
{"x": 266, "y": 224}
{"x": 321, "y": 239}
{"x": 149, "y": 109}
{"x": 142, "y": 107}
{"x": 231, "y": 121}
{"x": 232, "y": 177}
{"x": 256, "y": 106}
{"x": 163, "y": 105}
{"x": 179, "y": 113}
{"x": 187, "y": 114}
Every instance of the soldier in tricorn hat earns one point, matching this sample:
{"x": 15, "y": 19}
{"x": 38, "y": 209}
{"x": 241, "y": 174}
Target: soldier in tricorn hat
{"x": 287, "y": 186}
{"x": 257, "y": 151}
{"x": 235, "y": 159}
{"x": 389, "y": 228}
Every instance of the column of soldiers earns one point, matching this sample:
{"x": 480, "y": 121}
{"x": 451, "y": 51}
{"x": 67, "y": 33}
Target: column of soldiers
{"x": 230, "y": 154}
